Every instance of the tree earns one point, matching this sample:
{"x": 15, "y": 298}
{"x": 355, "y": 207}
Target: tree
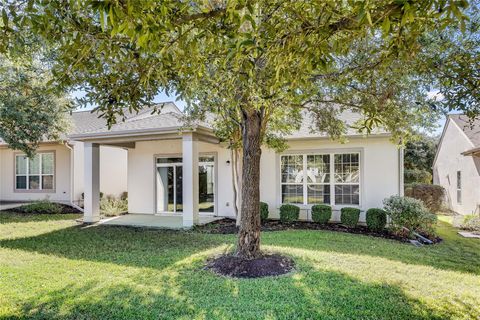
{"x": 257, "y": 65}
{"x": 418, "y": 159}
{"x": 30, "y": 110}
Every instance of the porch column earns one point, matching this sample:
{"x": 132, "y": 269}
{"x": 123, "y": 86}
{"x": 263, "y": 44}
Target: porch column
{"x": 190, "y": 179}
{"x": 91, "y": 200}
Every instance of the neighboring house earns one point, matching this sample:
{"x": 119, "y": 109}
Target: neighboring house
{"x": 457, "y": 164}
{"x": 188, "y": 173}
{"x": 56, "y": 172}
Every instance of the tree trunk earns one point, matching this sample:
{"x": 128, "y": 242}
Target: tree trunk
{"x": 237, "y": 182}
{"x": 248, "y": 245}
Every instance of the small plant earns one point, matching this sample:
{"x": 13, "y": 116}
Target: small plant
{"x": 350, "y": 216}
{"x": 289, "y": 213}
{"x": 321, "y": 213}
{"x": 124, "y": 195}
{"x": 110, "y": 207}
{"x": 411, "y": 214}
{"x": 376, "y": 219}
{"x": 43, "y": 206}
{"x": 471, "y": 223}
{"x": 263, "y": 211}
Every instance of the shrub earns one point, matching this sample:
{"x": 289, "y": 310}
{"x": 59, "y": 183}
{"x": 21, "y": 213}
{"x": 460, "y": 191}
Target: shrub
{"x": 124, "y": 195}
{"x": 417, "y": 176}
{"x": 289, "y": 213}
{"x": 349, "y": 216}
{"x": 113, "y": 207}
{"x": 321, "y": 213}
{"x": 471, "y": 223}
{"x": 431, "y": 195}
{"x": 376, "y": 219}
{"x": 410, "y": 213}
{"x": 43, "y": 206}
{"x": 263, "y": 211}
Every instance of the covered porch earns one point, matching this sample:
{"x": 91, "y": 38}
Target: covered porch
{"x": 163, "y": 184}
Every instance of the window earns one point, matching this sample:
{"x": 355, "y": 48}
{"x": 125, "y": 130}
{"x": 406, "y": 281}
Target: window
{"x": 459, "y": 187}
{"x": 347, "y": 180}
{"x": 320, "y": 178}
{"x": 36, "y": 173}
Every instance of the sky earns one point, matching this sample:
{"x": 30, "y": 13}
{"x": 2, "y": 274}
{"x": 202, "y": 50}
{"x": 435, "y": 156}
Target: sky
{"x": 163, "y": 97}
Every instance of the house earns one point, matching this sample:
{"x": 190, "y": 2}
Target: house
{"x": 57, "y": 171}
{"x": 187, "y": 174}
{"x": 457, "y": 164}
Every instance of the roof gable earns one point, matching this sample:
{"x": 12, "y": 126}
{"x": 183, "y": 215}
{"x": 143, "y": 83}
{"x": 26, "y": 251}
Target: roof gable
{"x": 470, "y": 128}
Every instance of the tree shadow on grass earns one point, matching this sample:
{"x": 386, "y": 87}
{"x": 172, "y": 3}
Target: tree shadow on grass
{"x": 320, "y": 295}
{"x": 454, "y": 253}
{"x": 126, "y": 246}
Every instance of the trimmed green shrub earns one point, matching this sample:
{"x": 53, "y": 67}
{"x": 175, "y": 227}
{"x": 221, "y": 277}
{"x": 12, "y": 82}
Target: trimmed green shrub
{"x": 263, "y": 211}
{"x": 411, "y": 214}
{"x": 43, "y": 206}
{"x": 321, "y": 213}
{"x": 376, "y": 219}
{"x": 350, "y": 216}
{"x": 289, "y": 213}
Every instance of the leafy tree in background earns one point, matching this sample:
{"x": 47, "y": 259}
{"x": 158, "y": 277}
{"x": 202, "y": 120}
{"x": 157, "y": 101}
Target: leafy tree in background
{"x": 31, "y": 111}
{"x": 418, "y": 159}
{"x": 258, "y": 66}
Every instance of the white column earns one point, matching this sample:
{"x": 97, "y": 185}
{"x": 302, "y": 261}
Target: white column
{"x": 190, "y": 179}
{"x": 92, "y": 183}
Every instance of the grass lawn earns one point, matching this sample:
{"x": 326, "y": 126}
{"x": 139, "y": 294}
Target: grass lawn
{"x": 52, "y": 268}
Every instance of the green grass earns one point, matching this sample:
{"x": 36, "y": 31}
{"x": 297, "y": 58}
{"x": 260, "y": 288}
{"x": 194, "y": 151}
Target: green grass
{"x": 52, "y": 268}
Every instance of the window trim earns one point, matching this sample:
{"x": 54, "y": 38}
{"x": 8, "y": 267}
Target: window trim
{"x": 27, "y": 175}
{"x": 331, "y": 152}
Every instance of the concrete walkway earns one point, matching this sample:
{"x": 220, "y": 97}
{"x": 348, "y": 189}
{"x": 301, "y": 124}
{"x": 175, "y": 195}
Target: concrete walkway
{"x": 152, "y": 220}
{"x": 9, "y": 205}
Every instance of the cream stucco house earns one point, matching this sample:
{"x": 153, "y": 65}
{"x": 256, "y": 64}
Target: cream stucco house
{"x": 457, "y": 164}
{"x": 187, "y": 174}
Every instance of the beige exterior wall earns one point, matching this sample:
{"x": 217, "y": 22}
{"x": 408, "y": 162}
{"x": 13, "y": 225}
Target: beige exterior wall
{"x": 62, "y": 176}
{"x": 379, "y": 163}
{"x": 141, "y": 174}
{"x": 113, "y": 170}
{"x": 113, "y": 173}
{"x": 380, "y": 172}
{"x": 449, "y": 160}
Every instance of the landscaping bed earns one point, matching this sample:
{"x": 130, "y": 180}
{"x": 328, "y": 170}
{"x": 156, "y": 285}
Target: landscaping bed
{"x": 62, "y": 209}
{"x": 227, "y": 226}
{"x": 264, "y": 266}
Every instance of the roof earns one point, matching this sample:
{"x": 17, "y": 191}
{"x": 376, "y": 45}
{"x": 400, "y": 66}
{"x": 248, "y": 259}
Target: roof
{"x": 470, "y": 127}
{"x": 308, "y": 130}
{"x": 88, "y": 124}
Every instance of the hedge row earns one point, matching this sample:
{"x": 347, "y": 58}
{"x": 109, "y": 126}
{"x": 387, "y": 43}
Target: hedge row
{"x": 376, "y": 219}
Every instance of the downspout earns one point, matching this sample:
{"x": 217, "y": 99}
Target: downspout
{"x": 72, "y": 176}
{"x": 401, "y": 187}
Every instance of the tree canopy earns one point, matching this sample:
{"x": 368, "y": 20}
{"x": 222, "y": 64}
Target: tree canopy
{"x": 258, "y": 66}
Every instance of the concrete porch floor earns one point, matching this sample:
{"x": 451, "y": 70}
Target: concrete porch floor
{"x": 152, "y": 220}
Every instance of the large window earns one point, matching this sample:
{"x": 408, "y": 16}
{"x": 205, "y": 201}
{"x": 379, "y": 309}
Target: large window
{"x": 321, "y": 178}
{"x": 36, "y": 173}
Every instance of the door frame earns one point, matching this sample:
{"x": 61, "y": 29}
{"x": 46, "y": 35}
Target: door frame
{"x": 179, "y": 155}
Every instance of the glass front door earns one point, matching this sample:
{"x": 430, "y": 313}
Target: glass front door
{"x": 169, "y": 184}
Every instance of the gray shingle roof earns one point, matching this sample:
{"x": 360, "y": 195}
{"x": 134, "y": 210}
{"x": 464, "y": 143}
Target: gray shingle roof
{"x": 470, "y": 128}
{"x": 308, "y": 128}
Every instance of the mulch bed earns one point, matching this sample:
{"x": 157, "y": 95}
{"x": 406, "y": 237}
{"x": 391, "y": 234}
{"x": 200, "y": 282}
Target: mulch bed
{"x": 227, "y": 226}
{"x": 264, "y": 266}
{"x": 66, "y": 209}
